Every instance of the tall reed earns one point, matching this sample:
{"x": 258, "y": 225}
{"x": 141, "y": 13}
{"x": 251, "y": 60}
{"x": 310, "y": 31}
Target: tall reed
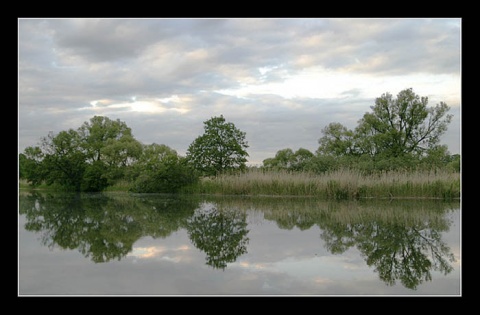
{"x": 337, "y": 185}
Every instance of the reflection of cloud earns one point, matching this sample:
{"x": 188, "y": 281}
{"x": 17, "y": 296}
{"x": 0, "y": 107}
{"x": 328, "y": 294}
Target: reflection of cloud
{"x": 256, "y": 266}
{"x": 320, "y": 270}
{"x": 146, "y": 252}
{"x": 160, "y": 252}
{"x": 320, "y": 280}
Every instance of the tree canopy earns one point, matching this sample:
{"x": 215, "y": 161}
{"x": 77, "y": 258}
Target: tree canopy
{"x": 401, "y": 132}
{"x": 100, "y": 153}
{"x": 398, "y": 132}
{"x": 396, "y": 127}
{"x": 286, "y": 159}
{"x": 221, "y": 147}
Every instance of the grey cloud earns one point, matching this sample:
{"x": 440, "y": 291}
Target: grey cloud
{"x": 64, "y": 64}
{"x": 104, "y": 39}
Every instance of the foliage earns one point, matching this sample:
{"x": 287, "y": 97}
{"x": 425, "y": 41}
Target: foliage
{"x": 337, "y": 141}
{"x": 111, "y": 143}
{"x": 161, "y": 170}
{"x": 286, "y": 159}
{"x": 400, "y": 133}
{"x": 454, "y": 162}
{"x": 222, "y": 147}
{"x": 99, "y": 154}
{"x": 63, "y": 160}
{"x": 94, "y": 178}
{"x": 399, "y": 127}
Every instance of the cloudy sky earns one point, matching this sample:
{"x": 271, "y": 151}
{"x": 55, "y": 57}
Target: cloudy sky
{"x": 280, "y": 80}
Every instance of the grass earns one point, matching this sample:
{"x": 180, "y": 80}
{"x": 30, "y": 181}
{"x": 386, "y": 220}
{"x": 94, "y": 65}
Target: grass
{"x": 337, "y": 185}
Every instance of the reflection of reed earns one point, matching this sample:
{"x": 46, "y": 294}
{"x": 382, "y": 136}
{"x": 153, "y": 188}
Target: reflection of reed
{"x": 345, "y": 212}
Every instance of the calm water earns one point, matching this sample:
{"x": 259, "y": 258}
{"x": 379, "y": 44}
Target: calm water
{"x": 123, "y": 244}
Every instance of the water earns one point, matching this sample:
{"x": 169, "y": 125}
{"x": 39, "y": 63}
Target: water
{"x": 158, "y": 245}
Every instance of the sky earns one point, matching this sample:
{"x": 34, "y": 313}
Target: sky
{"x": 279, "y": 80}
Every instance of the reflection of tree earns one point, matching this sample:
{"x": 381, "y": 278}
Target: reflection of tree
{"x": 407, "y": 252}
{"x": 294, "y": 219}
{"x": 103, "y": 227}
{"x": 401, "y": 239}
{"x": 222, "y": 235}
{"x": 404, "y": 253}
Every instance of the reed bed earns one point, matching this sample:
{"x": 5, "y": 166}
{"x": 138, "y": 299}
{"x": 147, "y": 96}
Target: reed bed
{"x": 336, "y": 185}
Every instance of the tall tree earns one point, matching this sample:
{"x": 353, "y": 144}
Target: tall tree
{"x": 87, "y": 159}
{"x": 399, "y": 131}
{"x": 63, "y": 160}
{"x": 109, "y": 140}
{"x": 109, "y": 143}
{"x": 404, "y": 125}
{"x": 221, "y": 147}
{"x": 337, "y": 140}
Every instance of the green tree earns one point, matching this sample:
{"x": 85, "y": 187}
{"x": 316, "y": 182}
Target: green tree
{"x": 283, "y": 160}
{"x": 404, "y": 125}
{"x": 399, "y": 132}
{"x": 29, "y": 165}
{"x": 160, "y": 170}
{"x": 337, "y": 141}
{"x": 301, "y": 159}
{"x": 87, "y": 159}
{"x": 454, "y": 162}
{"x": 111, "y": 143}
{"x": 222, "y": 147}
{"x": 63, "y": 160}
{"x": 286, "y": 159}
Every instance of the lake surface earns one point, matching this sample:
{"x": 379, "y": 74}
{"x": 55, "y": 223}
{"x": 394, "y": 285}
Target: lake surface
{"x": 123, "y": 244}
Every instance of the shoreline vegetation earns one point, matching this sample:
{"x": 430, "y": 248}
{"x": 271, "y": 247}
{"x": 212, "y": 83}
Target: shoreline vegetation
{"x": 334, "y": 185}
{"x": 393, "y": 153}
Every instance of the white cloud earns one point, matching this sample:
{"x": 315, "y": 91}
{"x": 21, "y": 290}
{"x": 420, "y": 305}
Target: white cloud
{"x": 277, "y": 78}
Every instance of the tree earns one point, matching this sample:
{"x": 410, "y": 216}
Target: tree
{"x": 29, "y": 165}
{"x": 403, "y": 126}
{"x": 288, "y": 160}
{"x": 86, "y": 159}
{"x": 63, "y": 160}
{"x": 397, "y": 133}
{"x": 337, "y": 141}
{"x": 283, "y": 160}
{"x": 160, "y": 169}
{"x": 302, "y": 158}
{"x": 111, "y": 143}
{"x": 222, "y": 147}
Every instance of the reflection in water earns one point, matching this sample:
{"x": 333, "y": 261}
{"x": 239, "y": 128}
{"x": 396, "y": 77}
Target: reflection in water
{"x": 221, "y": 234}
{"x": 396, "y": 250}
{"x": 401, "y": 240}
{"x": 103, "y": 227}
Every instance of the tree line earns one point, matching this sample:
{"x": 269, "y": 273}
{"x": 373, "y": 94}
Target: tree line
{"x": 399, "y": 133}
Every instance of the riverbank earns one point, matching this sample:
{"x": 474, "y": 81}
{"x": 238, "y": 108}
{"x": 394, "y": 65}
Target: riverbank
{"x": 336, "y": 185}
